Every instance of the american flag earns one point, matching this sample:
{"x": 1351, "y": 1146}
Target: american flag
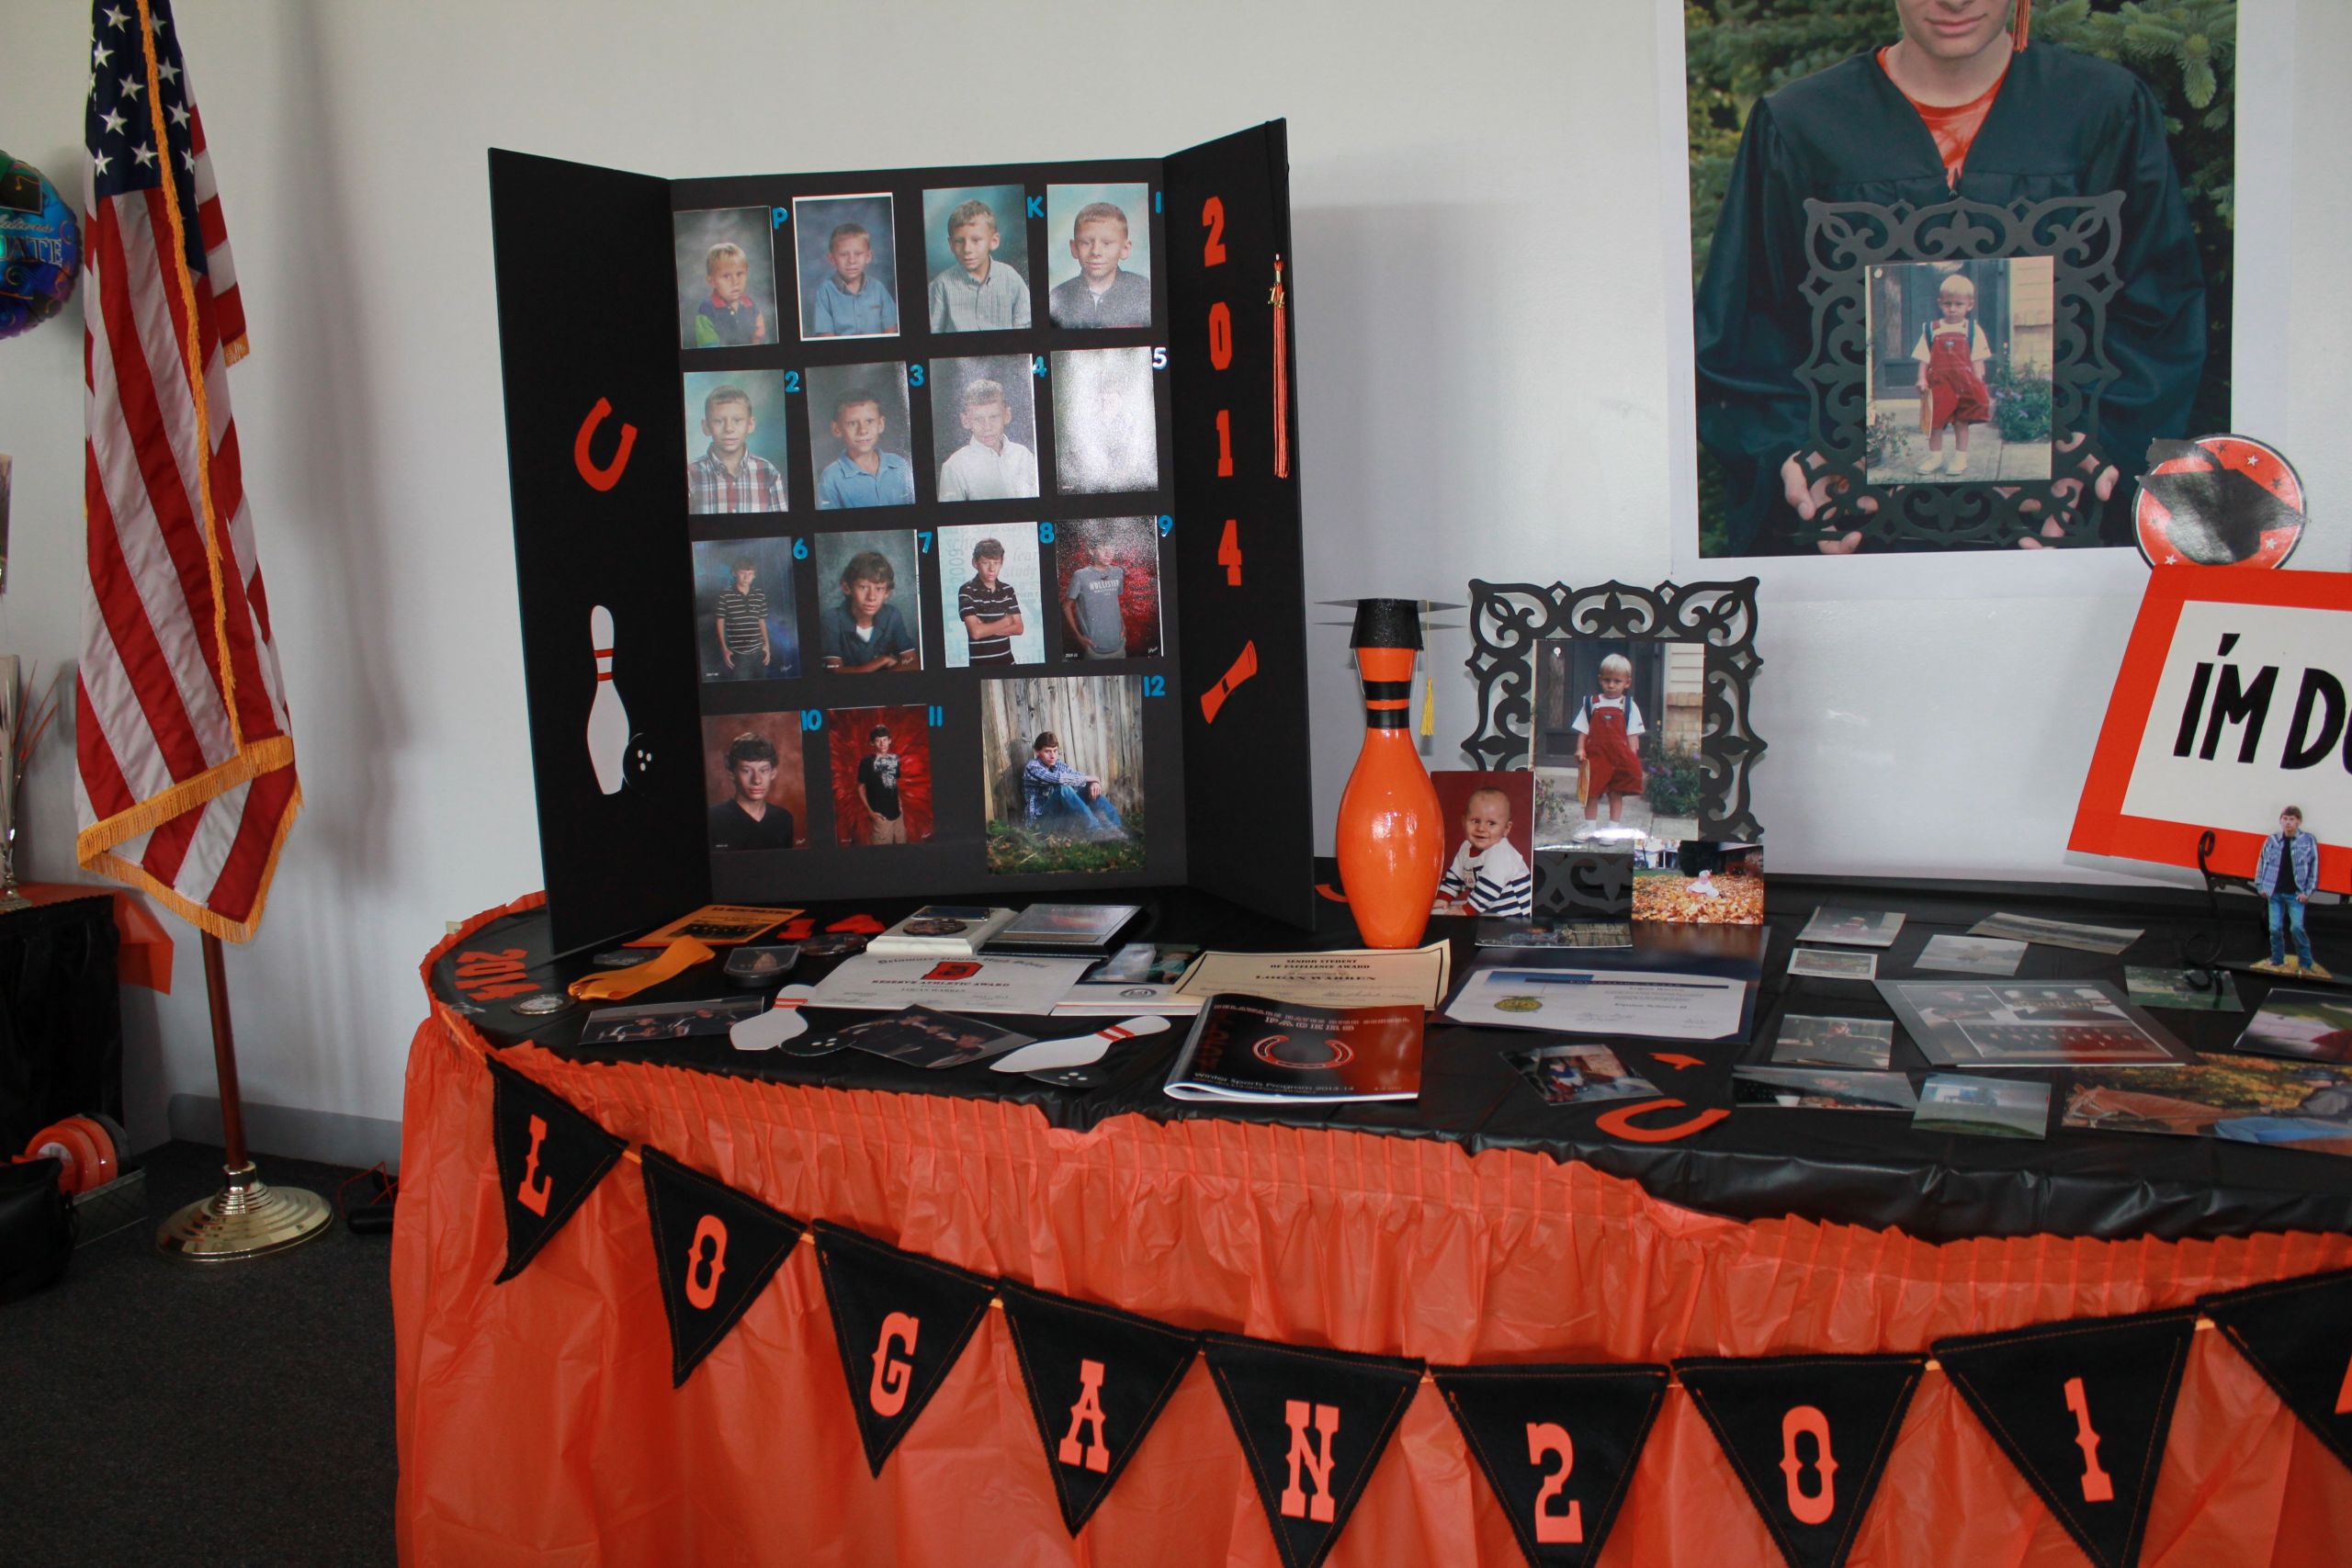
{"x": 187, "y": 783}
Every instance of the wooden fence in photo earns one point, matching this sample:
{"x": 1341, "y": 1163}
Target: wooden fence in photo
{"x": 1098, "y": 719}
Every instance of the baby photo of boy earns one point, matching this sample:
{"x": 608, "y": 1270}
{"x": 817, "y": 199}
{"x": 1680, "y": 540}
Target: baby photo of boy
{"x": 743, "y": 610}
{"x": 976, "y": 253}
{"x": 726, "y": 264}
{"x": 1615, "y": 733}
{"x": 984, "y": 427}
{"x": 1107, "y": 569}
{"x": 735, "y": 420}
{"x": 751, "y": 781}
{"x": 1106, "y": 422}
{"x": 847, "y": 255}
{"x": 1960, "y": 360}
{"x": 861, "y": 581}
{"x": 1489, "y": 842}
{"x": 881, "y": 774}
{"x": 1100, "y": 256}
{"x": 996, "y": 615}
{"x": 859, "y": 435}
{"x": 1062, "y": 773}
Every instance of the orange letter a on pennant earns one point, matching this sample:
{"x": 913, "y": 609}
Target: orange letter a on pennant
{"x": 1087, "y": 1411}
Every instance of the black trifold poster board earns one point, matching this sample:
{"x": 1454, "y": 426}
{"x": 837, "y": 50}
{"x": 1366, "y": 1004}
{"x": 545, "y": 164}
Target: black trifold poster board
{"x": 837, "y": 497}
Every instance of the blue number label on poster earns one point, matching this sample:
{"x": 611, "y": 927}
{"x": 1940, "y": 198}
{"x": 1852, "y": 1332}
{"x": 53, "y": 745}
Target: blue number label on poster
{"x": 1159, "y": 359}
{"x": 1167, "y": 526}
{"x": 792, "y": 380}
{"x": 779, "y": 216}
{"x": 914, "y": 374}
{"x": 812, "y": 719}
{"x": 1046, "y": 533}
{"x": 1036, "y": 207}
{"x": 938, "y": 715}
{"x": 1037, "y": 364}
{"x": 1155, "y": 201}
{"x": 923, "y": 535}
{"x": 1154, "y": 685}
{"x": 800, "y": 549}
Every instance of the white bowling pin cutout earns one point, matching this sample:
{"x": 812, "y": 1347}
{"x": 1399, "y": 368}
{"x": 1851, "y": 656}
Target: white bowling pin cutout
{"x": 1078, "y": 1050}
{"x": 607, "y": 720}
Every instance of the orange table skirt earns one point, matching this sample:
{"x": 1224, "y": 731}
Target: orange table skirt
{"x": 537, "y": 1425}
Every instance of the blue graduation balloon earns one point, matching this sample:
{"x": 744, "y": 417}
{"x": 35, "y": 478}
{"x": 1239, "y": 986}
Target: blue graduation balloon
{"x": 41, "y": 248}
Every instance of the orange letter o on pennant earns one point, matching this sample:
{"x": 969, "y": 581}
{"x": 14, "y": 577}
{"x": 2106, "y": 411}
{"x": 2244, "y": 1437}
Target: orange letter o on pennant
{"x": 1810, "y": 1507}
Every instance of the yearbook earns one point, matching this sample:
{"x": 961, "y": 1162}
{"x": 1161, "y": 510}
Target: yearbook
{"x": 1256, "y": 1050}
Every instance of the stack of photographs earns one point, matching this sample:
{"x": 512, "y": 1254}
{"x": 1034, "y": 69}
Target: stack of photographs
{"x": 2067, "y": 1023}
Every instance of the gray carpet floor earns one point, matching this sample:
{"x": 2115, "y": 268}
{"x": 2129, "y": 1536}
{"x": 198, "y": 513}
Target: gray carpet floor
{"x": 155, "y": 1412}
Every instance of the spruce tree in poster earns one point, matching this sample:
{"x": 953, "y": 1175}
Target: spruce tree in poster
{"x": 1808, "y": 1436}
{"x": 2083, "y": 1410}
{"x": 714, "y": 1250}
{"x": 1097, "y": 1378}
{"x": 550, "y": 1159}
{"x": 2297, "y": 1334}
{"x": 1313, "y": 1424}
{"x": 1558, "y": 1445}
{"x": 899, "y": 1320}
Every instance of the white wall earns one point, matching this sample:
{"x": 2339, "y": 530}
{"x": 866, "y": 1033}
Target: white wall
{"x": 1489, "y": 286}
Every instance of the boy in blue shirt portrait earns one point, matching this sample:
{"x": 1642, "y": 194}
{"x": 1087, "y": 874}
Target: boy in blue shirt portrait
{"x": 864, "y": 475}
{"x": 850, "y": 303}
{"x": 864, "y": 633}
{"x": 1060, "y": 799}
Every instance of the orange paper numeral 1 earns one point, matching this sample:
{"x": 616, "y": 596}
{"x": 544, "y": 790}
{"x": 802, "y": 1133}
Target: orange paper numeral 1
{"x": 2096, "y": 1487}
{"x": 1225, "y": 444}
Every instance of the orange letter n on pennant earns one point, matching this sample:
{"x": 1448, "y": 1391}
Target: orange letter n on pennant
{"x": 1296, "y": 1504}
{"x": 1087, "y": 1411}
{"x": 533, "y": 1189}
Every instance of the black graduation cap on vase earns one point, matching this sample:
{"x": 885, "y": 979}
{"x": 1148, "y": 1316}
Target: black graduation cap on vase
{"x": 1557, "y": 1444}
{"x": 2219, "y": 514}
{"x": 1097, "y": 1378}
{"x": 550, "y": 1156}
{"x": 1391, "y": 618}
{"x": 714, "y": 1250}
{"x": 1808, "y": 1436}
{"x": 899, "y": 1320}
{"x": 2297, "y": 1334}
{"x": 1313, "y": 1424}
{"x": 2083, "y": 1410}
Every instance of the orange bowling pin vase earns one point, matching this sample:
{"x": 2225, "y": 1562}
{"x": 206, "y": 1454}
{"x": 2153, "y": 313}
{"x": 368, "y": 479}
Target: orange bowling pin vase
{"x": 1390, "y": 839}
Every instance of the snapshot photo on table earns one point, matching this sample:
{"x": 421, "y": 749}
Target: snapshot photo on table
{"x": 2061, "y": 1023}
{"x": 667, "y": 1021}
{"x": 726, "y": 264}
{"x": 1577, "y": 1075}
{"x": 869, "y": 620}
{"x": 993, "y": 606}
{"x": 744, "y": 614}
{"x": 2110, "y": 939}
{"x": 1701, "y": 882}
{"x": 1489, "y": 842}
{"x": 976, "y": 256}
{"x": 1106, "y": 420}
{"x": 738, "y": 446}
{"x": 1807, "y": 1040}
{"x": 1980, "y": 1107}
{"x": 2254, "y": 1099}
{"x": 846, "y": 262}
{"x": 1107, "y": 573}
{"x": 1833, "y": 348}
{"x": 984, "y": 428}
{"x": 1821, "y": 1089}
{"x": 880, "y": 774}
{"x": 1062, "y": 773}
{"x": 1614, "y": 738}
{"x": 2314, "y": 1026}
{"x": 860, "y": 437}
{"x": 1852, "y": 928}
{"x": 1830, "y": 964}
{"x": 1970, "y": 954}
{"x": 1098, "y": 255}
{"x": 2191, "y": 990}
{"x": 753, "y": 785}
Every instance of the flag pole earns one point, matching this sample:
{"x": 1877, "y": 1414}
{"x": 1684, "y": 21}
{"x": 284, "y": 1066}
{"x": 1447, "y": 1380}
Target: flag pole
{"x": 248, "y": 1217}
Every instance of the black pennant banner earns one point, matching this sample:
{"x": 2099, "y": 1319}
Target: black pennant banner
{"x": 2082, "y": 1409}
{"x": 714, "y": 1250}
{"x": 1097, "y": 1380}
{"x": 2297, "y": 1334}
{"x": 1557, "y": 1444}
{"x": 550, "y": 1159}
{"x": 1808, "y": 1436}
{"x": 1313, "y": 1424}
{"x": 900, "y": 1320}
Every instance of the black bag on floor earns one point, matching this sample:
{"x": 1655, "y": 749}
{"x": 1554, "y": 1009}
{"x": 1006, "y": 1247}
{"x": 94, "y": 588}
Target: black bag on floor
{"x": 36, "y": 1228}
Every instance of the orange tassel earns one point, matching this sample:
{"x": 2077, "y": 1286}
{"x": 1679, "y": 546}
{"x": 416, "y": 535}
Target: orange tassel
{"x": 1282, "y": 375}
{"x": 2025, "y": 20}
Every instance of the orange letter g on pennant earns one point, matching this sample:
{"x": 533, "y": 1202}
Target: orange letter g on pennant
{"x": 532, "y": 1192}
{"x": 609, "y": 475}
{"x": 888, "y": 1393}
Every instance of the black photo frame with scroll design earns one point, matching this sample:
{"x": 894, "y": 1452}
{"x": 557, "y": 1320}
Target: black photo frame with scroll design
{"x": 1510, "y": 622}
{"x": 1849, "y": 243}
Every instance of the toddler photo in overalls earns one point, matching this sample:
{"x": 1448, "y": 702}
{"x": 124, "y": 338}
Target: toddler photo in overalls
{"x": 1952, "y": 356}
{"x": 1608, "y": 726}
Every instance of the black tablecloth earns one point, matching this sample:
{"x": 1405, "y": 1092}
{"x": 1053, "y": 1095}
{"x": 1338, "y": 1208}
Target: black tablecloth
{"x": 61, "y": 1016}
{"x": 1860, "y": 1167}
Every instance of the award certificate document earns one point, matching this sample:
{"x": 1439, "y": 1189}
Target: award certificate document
{"x": 1350, "y": 978}
{"x": 950, "y": 984}
{"x": 1645, "y": 1003}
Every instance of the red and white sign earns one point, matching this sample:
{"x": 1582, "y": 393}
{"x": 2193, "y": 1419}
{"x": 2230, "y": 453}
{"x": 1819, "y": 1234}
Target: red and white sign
{"x": 2234, "y": 701}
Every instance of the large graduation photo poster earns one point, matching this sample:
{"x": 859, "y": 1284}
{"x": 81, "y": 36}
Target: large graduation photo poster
{"x": 890, "y": 506}
{"x": 1926, "y": 325}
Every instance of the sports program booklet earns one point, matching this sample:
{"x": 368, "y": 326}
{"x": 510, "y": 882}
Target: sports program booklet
{"x": 1256, "y": 1050}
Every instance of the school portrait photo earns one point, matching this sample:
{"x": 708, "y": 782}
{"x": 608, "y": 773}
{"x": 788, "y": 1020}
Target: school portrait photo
{"x": 1062, "y": 773}
{"x": 746, "y": 624}
{"x": 726, "y": 262}
{"x": 753, "y": 787}
{"x": 880, "y": 774}
{"x": 994, "y": 608}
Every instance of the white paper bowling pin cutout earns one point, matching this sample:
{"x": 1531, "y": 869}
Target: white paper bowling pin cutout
{"x": 607, "y": 720}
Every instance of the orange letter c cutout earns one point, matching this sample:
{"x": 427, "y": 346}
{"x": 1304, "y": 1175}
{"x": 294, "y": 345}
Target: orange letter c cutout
{"x": 1620, "y": 1122}
{"x": 609, "y": 475}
